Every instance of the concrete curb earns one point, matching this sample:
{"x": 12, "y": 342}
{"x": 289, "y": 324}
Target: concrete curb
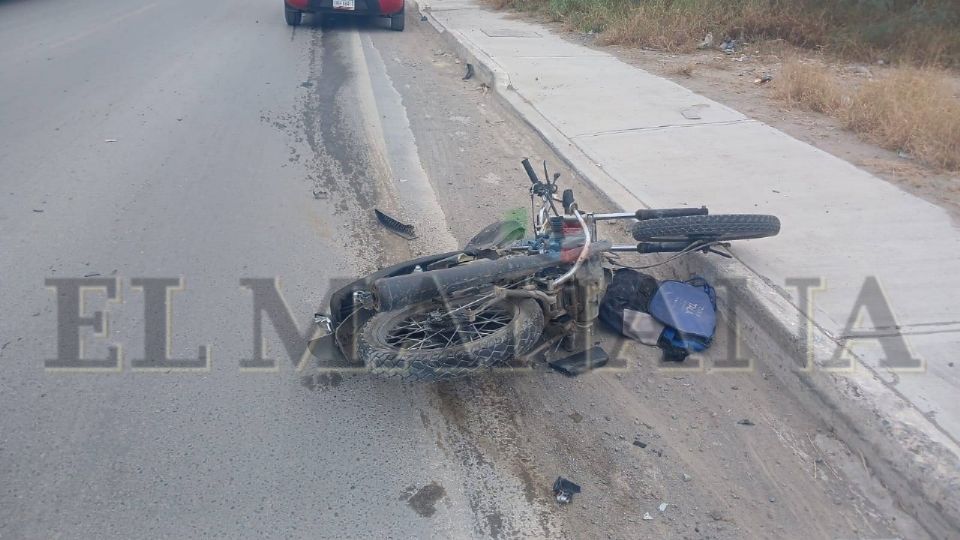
{"x": 910, "y": 455}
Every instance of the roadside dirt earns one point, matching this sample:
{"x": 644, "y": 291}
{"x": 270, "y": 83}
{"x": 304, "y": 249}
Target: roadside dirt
{"x": 635, "y": 437}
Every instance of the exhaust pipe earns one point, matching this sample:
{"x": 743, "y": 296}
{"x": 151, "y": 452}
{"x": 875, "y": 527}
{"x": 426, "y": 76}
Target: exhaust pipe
{"x": 393, "y": 293}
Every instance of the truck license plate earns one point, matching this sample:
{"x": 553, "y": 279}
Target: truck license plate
{"x": 343, "y": 4}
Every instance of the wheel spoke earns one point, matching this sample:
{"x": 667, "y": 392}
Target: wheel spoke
{"x": 432, "y": 330}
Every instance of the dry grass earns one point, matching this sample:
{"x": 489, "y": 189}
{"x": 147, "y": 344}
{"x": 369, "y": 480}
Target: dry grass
{"x": 807, "y": 85}
{"x": 908, "y": 109}
{"x": 922, "y": 32}
{"x": 911, "y": 109}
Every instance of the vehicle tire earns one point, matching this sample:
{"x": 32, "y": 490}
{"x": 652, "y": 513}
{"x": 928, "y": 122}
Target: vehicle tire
{"x": 403, "y": 343}
{"x": 293, "y": 16}
{"x": 396, "y": 21}
{"x": 717, "y": 227}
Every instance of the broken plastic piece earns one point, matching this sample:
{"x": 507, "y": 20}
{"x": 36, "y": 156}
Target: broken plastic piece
{"x": 564, "y": 490}
{"x": 469, "y": 72}
{"x": 707, "y": 41}
{"x": 581, "y": 362}
{"x": 401, "y": 229}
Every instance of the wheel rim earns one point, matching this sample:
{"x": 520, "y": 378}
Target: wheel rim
{"x": 435, "y": 329}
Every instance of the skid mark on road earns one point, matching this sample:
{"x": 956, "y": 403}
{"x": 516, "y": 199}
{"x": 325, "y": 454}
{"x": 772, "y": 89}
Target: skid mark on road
{"x": 481, "y": 429}
{"x": 352, "y": 137}
{"x": 389, "y": 126}
{"x": 329, "y": 143}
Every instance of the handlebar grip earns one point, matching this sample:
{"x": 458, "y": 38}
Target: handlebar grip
{"x": 656, "y": 213}
{"x": 662, "y": 247}
{"x": 530, "y": 172}
{"x": 568, "y": 201}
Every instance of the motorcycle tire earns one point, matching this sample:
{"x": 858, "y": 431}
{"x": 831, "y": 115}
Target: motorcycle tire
{"x": 718, "y": 227}
{"x": 403, "y": 343}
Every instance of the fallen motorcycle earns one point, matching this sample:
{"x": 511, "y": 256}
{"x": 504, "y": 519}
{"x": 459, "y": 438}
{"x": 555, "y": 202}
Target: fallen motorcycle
{"x": 452, "y": 314}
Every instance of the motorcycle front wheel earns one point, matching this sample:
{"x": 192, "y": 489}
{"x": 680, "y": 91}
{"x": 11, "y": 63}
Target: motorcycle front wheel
{"x": 439, "y": 341}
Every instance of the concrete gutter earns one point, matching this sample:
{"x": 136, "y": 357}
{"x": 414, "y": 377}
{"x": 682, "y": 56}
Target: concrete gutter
{"x": 917, "y": 461}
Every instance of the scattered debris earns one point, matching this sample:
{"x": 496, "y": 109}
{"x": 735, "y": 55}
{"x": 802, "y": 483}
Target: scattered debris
{"x": 686, "y": 477}
{"x": 110, "y": 140}
{"x": 647, "y": 516}
{"x": 37, "y": 210}
{"x": 663, "y": 507}
{"x": 764, "y": 79}
{"x": 469, "y": 74}
{"x": 707, "y": 41}
{"x": 746, "y": 422}
{"x": 401, "y": 229}
{"x": 320, "y": 194}
{"x": 728, "y": 46}
{"x": 423, "y": 18}
{"x": 564, "y": 490}
{"x": 93, "y": 274}
{"x": 638, "y": 442}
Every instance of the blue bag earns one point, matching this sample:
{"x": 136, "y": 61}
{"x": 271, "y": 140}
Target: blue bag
{"x": 689, "y": 312}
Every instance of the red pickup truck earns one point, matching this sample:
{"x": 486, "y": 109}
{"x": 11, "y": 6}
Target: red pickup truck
{"x": 392, "y": 9}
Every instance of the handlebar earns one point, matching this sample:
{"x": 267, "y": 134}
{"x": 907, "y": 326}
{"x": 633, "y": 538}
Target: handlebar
{"x": 651, "y": 247}
{"x": 655, "y": 213}
{"x": 530, "y": 172}
{"x": 662, "y": 247}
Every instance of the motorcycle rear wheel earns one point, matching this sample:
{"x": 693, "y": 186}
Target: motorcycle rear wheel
{"x": 424, "y": 342}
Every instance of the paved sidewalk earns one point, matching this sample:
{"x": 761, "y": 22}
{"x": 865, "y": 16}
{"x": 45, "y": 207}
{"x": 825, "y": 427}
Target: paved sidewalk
{"x": 643, "y": 138}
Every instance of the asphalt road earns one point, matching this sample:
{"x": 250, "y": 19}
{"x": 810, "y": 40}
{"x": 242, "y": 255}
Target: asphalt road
{"x": 210, "y": 143}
